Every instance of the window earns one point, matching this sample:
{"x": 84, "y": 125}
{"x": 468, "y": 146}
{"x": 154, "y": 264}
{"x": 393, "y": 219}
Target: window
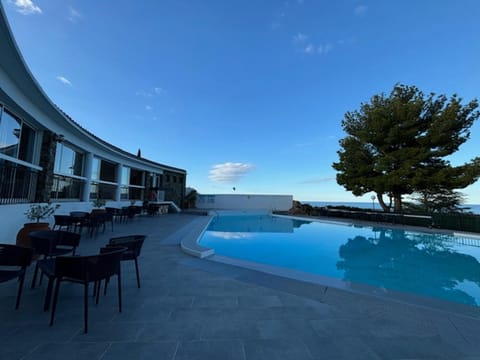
{"x": 17, "y": 139}
{"x": 65, "y": 187}
{"x": 17, "y": 183}
{"x": 104, "y": 177}
{"x": 132, "y": 184}
{"x": 68, "y": 161}
{"x": 155, "y": 180}
{"x": 68, "y": 166}
{"x": 102, "y": 191}
{"x": 17, "y": 142}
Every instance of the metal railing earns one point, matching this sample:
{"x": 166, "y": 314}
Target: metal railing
{"x": 17, "y": 183}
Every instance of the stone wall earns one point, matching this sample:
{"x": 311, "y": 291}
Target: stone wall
{"x": 47, "y": 162}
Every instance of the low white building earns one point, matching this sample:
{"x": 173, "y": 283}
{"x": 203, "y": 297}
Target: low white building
{"x": 46, "y": 156}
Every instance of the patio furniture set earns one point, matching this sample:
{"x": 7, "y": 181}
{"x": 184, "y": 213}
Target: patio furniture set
{"x": 54, "y": 254}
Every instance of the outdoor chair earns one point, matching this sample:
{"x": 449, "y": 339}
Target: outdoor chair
{"x": 84, "y": 270}
{"x": 62, "y": 221}
{"x": 51, "y": 243}
{"x": 110, "y": 214}
{"x": 14, "y": 261}
{"x": 133, "y": 245}
{"x": 95, "y": 221}
{"x": 79, "y": 220}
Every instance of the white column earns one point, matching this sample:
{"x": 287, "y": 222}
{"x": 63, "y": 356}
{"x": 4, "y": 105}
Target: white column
{"x": 88, "y": 175}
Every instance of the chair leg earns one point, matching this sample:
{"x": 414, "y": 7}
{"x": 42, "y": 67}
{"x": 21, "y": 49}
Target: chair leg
{"x": 48, "y": 295}
{"x": 85, "y": 308}
{"x": 107, "y": 280}
{"x": 55, "y": 299}
{"x": 34, "y": 280}
{"x": 97, "y": 285}
{"x": 119, "y": 292}
{"x": 20, "y": 288}
{"x": 138, "y": 273}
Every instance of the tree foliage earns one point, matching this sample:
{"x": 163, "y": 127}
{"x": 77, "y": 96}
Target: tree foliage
{"x": 398, "y": 144}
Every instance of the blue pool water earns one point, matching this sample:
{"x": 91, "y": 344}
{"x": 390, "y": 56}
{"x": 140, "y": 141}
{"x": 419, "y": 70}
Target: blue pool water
{"x": 428, "y": 264}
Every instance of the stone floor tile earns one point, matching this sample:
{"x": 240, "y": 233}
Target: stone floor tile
{"x": 62, "y": 351}
{"x": 258, "y": 301}
{"x": 225, "y": 328}
{"x": 170, "y": 330}
{"x": 210, "y": 349}
{"x": 215, "y": 302}
{"x": 276, "y": 349}
{"x": 164, "y": 350}
{"x": 108, "y": 331}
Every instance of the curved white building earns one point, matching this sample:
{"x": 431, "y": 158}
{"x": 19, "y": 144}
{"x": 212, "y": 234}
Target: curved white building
{"x": 46, "y": 156}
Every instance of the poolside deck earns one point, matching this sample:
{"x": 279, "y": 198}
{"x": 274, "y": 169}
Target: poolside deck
{"x": 190, "y": 308}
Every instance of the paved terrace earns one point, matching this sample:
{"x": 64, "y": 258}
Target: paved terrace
{"x": 189, "y": 308}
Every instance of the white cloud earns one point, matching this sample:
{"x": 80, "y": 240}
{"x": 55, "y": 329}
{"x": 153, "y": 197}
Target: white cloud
{"x": 156, "y": 91}
{"x": 159, "y": 91}
{"x": 27, "y": 7}
{"x": 303, "y": 44}
{"x": 300, "y": 38}
{"x": 229, "y": 172}
{"x": 324, "y": 49}
{"x": 64, "y": 80}
{"x": 73, "y": 15}
{"x": 309, "y": 49}
{"x": 318, "y": 180}
{"x": 148, "y": 107}
{"x": 360, "y": 10}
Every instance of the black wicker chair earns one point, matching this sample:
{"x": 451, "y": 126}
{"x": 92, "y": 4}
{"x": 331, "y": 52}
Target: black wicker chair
{"x": 84, "y": 270}
{"x": 14, "y": 261}
{"x": 52, "y": 243}
{"x": 133, "y": 244}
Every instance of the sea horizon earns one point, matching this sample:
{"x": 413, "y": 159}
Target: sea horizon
{"x": 474, "y": 208}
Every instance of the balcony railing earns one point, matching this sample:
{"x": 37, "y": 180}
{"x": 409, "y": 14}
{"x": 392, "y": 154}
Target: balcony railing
{"x": 17, "y": 183}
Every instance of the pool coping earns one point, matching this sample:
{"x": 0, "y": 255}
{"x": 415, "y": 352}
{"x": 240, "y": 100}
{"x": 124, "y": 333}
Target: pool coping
{"x": 190, "y": 245}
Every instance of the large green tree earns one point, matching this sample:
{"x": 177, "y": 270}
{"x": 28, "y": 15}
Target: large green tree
{"x": 398, "y": 144}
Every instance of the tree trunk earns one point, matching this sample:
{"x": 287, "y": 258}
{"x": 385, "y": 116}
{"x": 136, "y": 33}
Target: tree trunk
{"x": 385, "y": 208}
{"x": 397, "y": 199}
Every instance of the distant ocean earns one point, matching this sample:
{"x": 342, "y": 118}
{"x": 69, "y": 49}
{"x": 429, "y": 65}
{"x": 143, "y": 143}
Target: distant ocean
{"x": 475, "y": 208}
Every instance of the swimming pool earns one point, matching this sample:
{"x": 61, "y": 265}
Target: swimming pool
{"x": 429, "y": 264}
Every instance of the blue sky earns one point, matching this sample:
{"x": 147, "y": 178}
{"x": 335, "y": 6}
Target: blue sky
{"x": 245, "y": 94}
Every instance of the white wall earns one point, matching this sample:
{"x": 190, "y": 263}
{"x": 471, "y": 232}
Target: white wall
{"x": 244, "y": 201}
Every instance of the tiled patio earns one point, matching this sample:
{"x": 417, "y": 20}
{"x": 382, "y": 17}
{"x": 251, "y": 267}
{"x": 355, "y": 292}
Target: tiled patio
{"x": 189, "y": 308}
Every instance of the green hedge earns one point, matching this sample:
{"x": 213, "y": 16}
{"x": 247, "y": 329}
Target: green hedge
{"x": 462, "y": 222}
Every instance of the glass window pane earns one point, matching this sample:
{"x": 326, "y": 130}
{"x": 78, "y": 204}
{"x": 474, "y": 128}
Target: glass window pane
{"x": 17, "y": 183}
{"x": 107, "y": 171}
{"x": 66, "y": 188}
{"x": 68, "y": 161}
{"x": 10, "y": 129}
{"x": 136, "y": 177}
{"x": 78, "y": 164}
{"x": 102, "y": 191}
{"x": 27, "y": 143}
{"x": 124, "y": 193}
{"x": 96, "y": 169}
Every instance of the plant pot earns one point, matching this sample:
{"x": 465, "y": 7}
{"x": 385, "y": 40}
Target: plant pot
{"x": 22, "y": 236}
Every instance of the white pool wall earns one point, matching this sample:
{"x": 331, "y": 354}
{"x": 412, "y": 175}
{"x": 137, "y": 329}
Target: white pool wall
{"x": 244, "y": 202}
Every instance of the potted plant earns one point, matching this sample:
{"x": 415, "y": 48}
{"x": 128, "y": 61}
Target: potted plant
{"x": 35, "y": 213}
{"x": 98, "y": 203}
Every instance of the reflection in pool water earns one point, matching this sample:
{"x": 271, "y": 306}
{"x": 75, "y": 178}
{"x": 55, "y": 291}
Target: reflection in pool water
{"x": 436, "y": 265}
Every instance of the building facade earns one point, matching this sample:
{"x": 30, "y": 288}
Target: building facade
{"x": 47, "y": 156}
